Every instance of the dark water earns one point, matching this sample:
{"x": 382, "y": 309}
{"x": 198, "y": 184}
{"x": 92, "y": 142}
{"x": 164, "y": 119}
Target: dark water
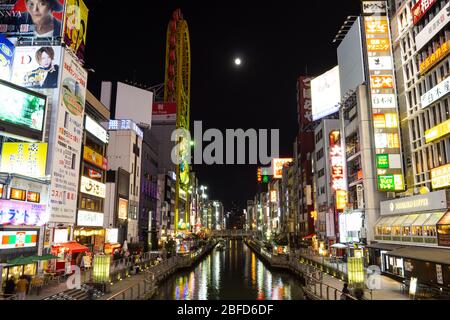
{"x": 234, "y": 273}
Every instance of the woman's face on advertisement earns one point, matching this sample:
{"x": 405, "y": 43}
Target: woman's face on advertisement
{"x": 39, "y": 10}
{"x": 45, "y": 61}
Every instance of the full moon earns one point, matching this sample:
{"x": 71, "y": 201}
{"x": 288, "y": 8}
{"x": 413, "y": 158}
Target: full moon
{"x": 237, "y": 61}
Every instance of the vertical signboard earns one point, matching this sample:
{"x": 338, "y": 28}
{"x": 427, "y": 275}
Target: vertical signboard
{"x": 66, "y": 152}
{"x": 6, "y": 58}
{"x": 304, "y": 101}
{"x": 75, "y": 26}
{"x": 382, "y": 89}
{"x": 338, "y": 181}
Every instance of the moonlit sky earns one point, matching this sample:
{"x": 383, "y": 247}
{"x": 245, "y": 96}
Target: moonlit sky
{"x": 276, "y": 41}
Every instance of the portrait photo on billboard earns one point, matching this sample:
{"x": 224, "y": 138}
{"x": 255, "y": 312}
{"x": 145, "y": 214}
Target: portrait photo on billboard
{"x": 37, "y": 67}
{"x": 75, "y": 26}
{"x": 32, "y": 18}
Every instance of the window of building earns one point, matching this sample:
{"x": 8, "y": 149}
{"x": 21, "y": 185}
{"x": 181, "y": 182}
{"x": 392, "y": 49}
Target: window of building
{"x": 319, "y": 136}
{"x": 321, "y": 173}
{"x": 319, "y": 154}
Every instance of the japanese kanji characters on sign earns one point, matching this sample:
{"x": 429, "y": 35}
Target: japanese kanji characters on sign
{"x": 378, "y": 44}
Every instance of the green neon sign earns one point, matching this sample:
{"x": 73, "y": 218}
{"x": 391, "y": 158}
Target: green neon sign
{"x": 382, "y": 161}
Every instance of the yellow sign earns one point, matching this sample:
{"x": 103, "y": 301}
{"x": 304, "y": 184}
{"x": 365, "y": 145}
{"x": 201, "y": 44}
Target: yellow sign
{"x": 28, "y": 159}
{"x": 433, "y": 59}
{"x": 95, "y": 158}
{"x": 437, "y": 132}
{"x": 440, "y": 177}
{"x": 375, "y": 45}
{"x": 341, "y": 199}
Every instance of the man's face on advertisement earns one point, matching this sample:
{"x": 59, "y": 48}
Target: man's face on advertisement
{"x": 45, "y": 60}
{"x": 39, "y": 10}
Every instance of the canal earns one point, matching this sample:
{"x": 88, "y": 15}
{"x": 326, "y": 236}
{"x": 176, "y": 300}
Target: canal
{"x": 233, "y": 273}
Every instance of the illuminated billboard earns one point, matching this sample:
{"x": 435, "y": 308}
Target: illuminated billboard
{"x": 439, "y": 131}
{"x": 68, "y": 133}
{"x": 277, "y": 166}
{"x": 6, "y": 58}
{"x": 164, "y": 112}
{"x": 93, "y": 188}
{"x": 37, "y": 67}
{"x": 437, "y": 92}
{"x": 440, "y": 177}
{"x": 420, "y": 8}
{"x": 18, "y": 239}
{"x": 25, "y": 19}
{"x": 27, "y": 159}
{"x": 75, "y": 26}
{"x": 325, "y": 94}
{"x": 383, "y": 97}
{"x": 23, "y": 109}
{"x": 18, "y": 213}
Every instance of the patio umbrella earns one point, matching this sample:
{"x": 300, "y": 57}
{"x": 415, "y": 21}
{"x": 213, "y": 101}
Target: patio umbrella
{"x": 125, "y": 246}
{"x": 339, "y": 246}
{"x": 44, "y": 257}
{"x": 20, "y": 260}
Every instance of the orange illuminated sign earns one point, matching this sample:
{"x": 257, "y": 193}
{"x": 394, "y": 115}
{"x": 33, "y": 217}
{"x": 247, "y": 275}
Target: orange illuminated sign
{"x": 277, "y": 165}
{"x": 95, "y": 158}
{"x": 33, "y": 197}
{"x": 378, "y": 44}
{"x": 382, "y": 82}
{"x": 258, "y": 175}
{"x": 377, "y": 26}
{"x": 438, "y": 55}
{"x": 17, "y": 194}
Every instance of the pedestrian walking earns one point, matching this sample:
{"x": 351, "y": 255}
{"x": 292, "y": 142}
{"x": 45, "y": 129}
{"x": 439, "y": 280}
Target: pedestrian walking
{"x": 345, "y": 292}
{"x": 21, "y": 289}
{"x": 10, "y": 285}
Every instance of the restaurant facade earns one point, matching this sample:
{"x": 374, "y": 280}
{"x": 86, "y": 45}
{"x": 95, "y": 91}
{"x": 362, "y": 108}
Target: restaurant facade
{"x": 412, "y": 240}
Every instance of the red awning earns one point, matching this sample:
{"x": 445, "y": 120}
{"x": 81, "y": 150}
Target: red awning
{"x": 309, "y": 236}
{"x": 73, "y": 247}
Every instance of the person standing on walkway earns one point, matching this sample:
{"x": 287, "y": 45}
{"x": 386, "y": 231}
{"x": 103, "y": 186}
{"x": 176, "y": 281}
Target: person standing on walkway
{"x": 22, "y": 286}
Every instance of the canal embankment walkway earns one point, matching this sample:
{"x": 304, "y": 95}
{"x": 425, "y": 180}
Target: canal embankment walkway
{"x": 131, "y": 278}
{"x": 323, "y": 282}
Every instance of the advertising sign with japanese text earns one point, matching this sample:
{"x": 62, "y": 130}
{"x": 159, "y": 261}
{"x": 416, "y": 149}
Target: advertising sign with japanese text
{"x": 27, "y": 159}
{"x": 384, "y": 109}
{"x": 304, "y": 101}
{"x": 440, "y": 20}
{"x": 66, "y": 152}
{"x": 92, "y": 187}
{"x": 18, "y": 213}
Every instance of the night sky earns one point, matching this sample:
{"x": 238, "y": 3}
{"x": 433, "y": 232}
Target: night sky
{"x": 277, "y": 41}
